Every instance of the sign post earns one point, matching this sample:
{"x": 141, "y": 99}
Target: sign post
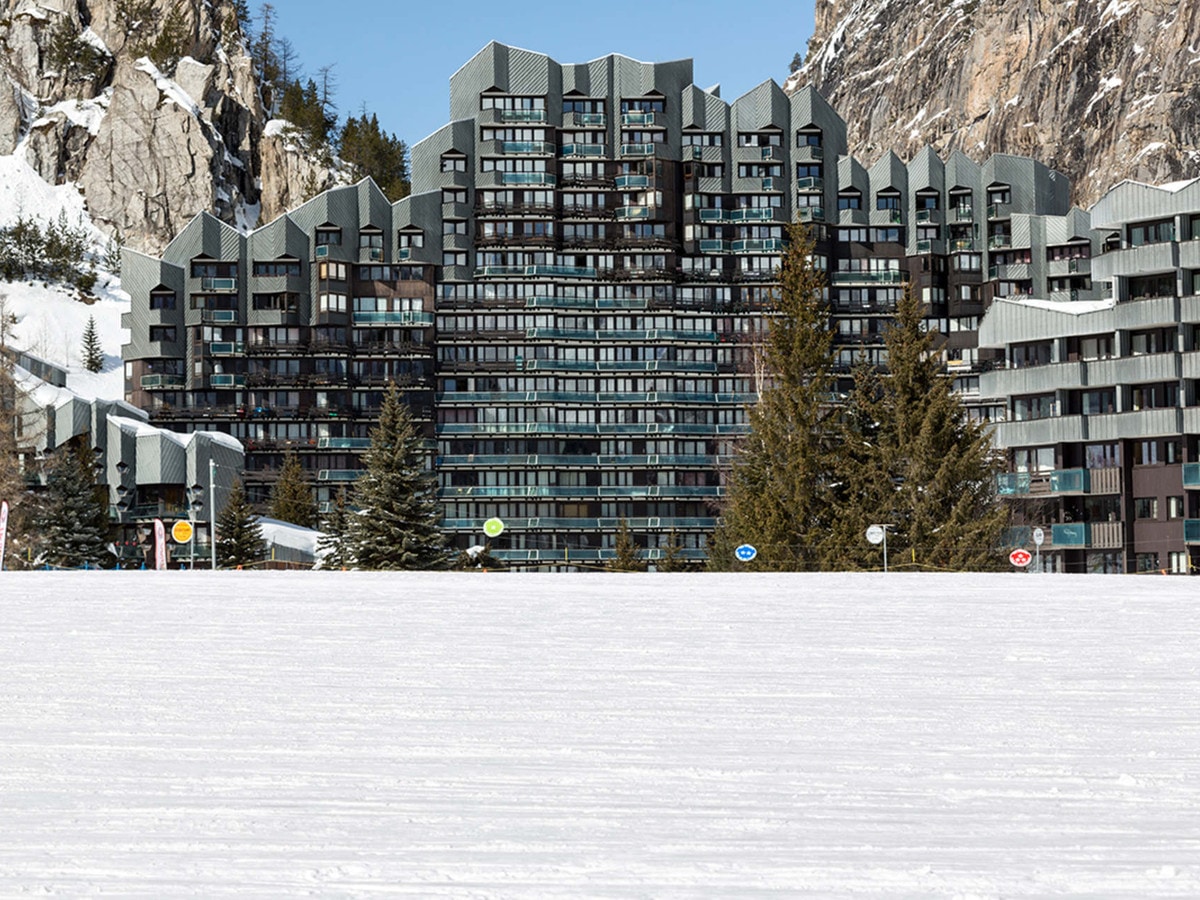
{"x": 3, "y": 530}
{"x": 877, "y": 534}
{"x": 1020, "y": 558}
{"x": 746, "y": 553}
{"x": 1039, "y": 538}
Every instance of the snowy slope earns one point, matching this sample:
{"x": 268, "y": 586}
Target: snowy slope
{"x": 50, "y": 318}
{"x": 650, "y": 736}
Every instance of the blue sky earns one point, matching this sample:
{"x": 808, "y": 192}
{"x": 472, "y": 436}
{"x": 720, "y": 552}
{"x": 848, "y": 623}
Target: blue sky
{"x": 397, "y": 56}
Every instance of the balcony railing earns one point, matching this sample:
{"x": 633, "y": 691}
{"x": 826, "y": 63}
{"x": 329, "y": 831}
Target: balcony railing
{"x": 162, "y": 382}
{"x": 1191, "y": 531}
{"x": 595, "y": 120}
{"x": 810, "y": 183}
{"x": 343, "y": 443}
{"x": 637, "y": 149}
{"x": 625, "y": 182}
{"x": 999, "y": 241}
{"x": 339, "y": 474}
{"x": 219, "y": 285}
{"x": 218, "y": 315}
{"x": 522, "y": 115}
{"x": 962, "y": 245}
{"x": 889, "y": 276}
{"x": 757, "y": 214}
{"x": 584, "y": 150}
{"x": 542, "y": 178}
{"x": 964, "y": 213}
{"x": 535, "y": 271}
{"x": 761, "y": 245}
{"x": 633, "y": 212}
{"x": 393, "y": 317}
{"x": 227, "y": 381}
{"x": 811, "y": 214}
{"x": 226, "y": 348}
{"x": 638, "y": 118}
{"x": 1071, "y": 534}
{"x": 527, "y": 147}
{"x": 713, "y": 246}
{"x": 1191, "y": 476}
{"x": 1060, "y": 481}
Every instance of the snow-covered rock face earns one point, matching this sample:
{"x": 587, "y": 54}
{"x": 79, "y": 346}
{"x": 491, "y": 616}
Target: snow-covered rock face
{"x": 1099, "y": 89}
{"x": 149, "y": 151}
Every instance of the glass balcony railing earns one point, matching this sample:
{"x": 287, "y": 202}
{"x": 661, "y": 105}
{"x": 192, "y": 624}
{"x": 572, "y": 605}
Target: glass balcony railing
{"x": 963, "y": 213}
{"x": 1191, "y": 531}
{"x": 535, "y": 272}
{"x": 584, "y": 150}
{"x": 811, "y": 214}
{"x": 218, "y": 315}
{"x": 219, "y": 285}
{"x": 637, "y": 149}
{"x": 226, "y": 348}
{"x": 713, "y": 246}
{"x": 638, "y": 118}
{"x": 343, "y": 443}
{"x": 924, "y": 246}
{"x": 227, "y": 381}
{"x": 766, "y": 214}
{"x": 542, "y": 178}
{"x": 594, "y": 120}
{"x": 162, "y": 382}
{"x": 403, "y": 253}
{"x": 999, "y": 241}
{"x": 527, "y": 147}
{"x": 1191, "y": 476}
{"x": 810, "y": 184}
{"x": 1059, "y": 481}
{"x": 625, "y": 182}
{"x": 633, "y": 212}
{"x": 889, "y": 276}
{"x": 761, "y": 245}
{"x": 522, "y": 115}
{"x": 638, "y": 523}
{"x": 398, "y": 317}
{"x": 1071, "y": 534}
{"x": 714, "y": 215}
{"x": 962, "y": 245}
{"x": 339, "y": 474}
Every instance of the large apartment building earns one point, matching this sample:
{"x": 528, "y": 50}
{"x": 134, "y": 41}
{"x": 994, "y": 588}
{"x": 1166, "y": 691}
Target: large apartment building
{"x": 570, "y": 297}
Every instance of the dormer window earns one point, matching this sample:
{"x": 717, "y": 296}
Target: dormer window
{"x": 808, "y": 138}
{"x": 850, "y": 200}
{"x": 162, "y": 298}
{"x": 454, "y": 161}
{"x": 370, "y": 238}
{"x": 411, "y": 238}
{"x": 887, "y": 200}
{"x": 328, "y": 235}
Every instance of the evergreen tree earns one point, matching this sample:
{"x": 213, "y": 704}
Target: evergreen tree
{"x": 777, "y": 489}
{"x": 291, "y": 497}
{"x": 626, "y": 558}
{"x": 672, "y": 560}
{"x": 370, "y": 151}
{"x": 12, "y": 480}
{"x": 481, "y": 559}
{"x": 397, "y": 524}
{"x": 797, "y": 64}
{"x": 911, "y": 459}
{"x": 71, "y": 521}
{"x": 239, "y": 536}
{"x": 335, "y": 535}
{"x": 93, "y": 356}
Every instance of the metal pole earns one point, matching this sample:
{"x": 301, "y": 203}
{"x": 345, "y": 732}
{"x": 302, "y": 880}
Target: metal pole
{"x": 212, "y": 511}
{"x": 885, "y": 528}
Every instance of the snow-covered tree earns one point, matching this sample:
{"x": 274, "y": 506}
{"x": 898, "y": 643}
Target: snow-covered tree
{"x": 291, "y": 497}
{"x": 239, "y": 536}
{"x": 71, "y": 520}
{"x": 93, "y": 354}
{"x": 397, "y": 523}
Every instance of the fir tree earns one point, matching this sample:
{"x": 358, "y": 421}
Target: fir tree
{"x": 371, "y": 152}
{"x": 334, "y": 542}
{"x": 626, "y": 558}
{"x": 797, "y": 64}
{"x": 239, "y": 536}
{"x": 397, "y": 523}
{"x": 71, "y": 521}
{"x": 777, "y": 489}
{"x": 93, "y": 356}
{"x": 291, "y": 497}
{"x": 673, "y": 560}
{"x": 941, "y": 466}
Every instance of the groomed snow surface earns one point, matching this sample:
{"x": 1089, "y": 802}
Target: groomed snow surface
{"x": 652, "y": 736}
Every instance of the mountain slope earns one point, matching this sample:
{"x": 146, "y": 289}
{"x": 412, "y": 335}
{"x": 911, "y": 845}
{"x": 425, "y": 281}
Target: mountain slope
{"x": 1099, "y": 89}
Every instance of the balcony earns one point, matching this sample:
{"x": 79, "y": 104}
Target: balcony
{"x": 342, "y": 475}
{"x": 404, "y": 253}
{"x": 999, "y": 210}
{"x": 219, "y": 316}
{"x": 762, "y": 245}
{"x": 962, "y": 245}
{"x": 999, "y": 241}
{"x": 964, "y": 213}
{"x": 639, "y": 118}
{"x": 227, "y": 381}
{"x": 1060, "y": 481}
{"x": 714, "y": 215}
{"x": 1191, "y": 476}
{"x": 1191, "y": 531}
{"x": 393, "y": 317}
{"x": 584, "y": 150}
{"x": 226, "y": 348}
{"x": 219, "y": 285}
{"x": 889, "y": 276}
{"x": 637, "y": 149}
{"x": 1071, "y": 534}
{"x": 537, "y": 178}
{"x": 633, "y": 212}
{"x": 322, "y": 251}
{"x": 540, "y": 148}
{"x": 162, "y": 382}
{"x": 756, "y": 214}
{"x": 522, "y": 115}
{"x": 929, "y": 216}
{"x": 811, "y": 214}
{"x": 810, "y": 184}
{"x": 625, "y": 182}
{"x": 343, "y": 443}
{"x": 712, "y": 246}
{"x": 592, "y": 120}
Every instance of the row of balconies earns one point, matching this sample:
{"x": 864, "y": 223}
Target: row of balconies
{"x": 582, "y": 492}
{"x": 1060, "y": 482}
{"x": 637, "y": 523}
{"x": 572, "y": 461}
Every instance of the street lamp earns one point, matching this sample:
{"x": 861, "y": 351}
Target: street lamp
{"x": 194, "y": 493}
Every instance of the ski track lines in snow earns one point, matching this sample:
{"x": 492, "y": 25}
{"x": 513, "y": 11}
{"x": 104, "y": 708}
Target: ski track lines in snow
{"x": 265, "y": 734}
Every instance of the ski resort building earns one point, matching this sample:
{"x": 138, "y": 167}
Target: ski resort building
{"x": 570, "y": 298}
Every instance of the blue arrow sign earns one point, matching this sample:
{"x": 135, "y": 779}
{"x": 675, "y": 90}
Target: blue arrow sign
{"x": 746, "y": 552}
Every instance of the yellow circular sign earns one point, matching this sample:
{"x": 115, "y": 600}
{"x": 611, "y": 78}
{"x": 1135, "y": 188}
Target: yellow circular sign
{"x": 182, "y": 532}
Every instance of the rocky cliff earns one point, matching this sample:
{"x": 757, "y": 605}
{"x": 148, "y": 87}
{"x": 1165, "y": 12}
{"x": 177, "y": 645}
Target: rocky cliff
{"x": 1100, "y": 89}
{"x": 151, "y": 106}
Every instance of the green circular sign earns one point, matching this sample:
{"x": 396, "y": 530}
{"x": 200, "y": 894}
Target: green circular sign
{"x": 493, "y": 528}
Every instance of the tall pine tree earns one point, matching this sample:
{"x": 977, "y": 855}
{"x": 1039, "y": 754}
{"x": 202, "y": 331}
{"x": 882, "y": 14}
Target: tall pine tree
{"x": 924, "y": 468}
{"x": 397, "y": 523}
{"x": 71, "y": 521}
{"x": 239, "y": 536}
{"x": 777, "y": 489}
{"x": 93, "y": 355}
{"x": 626, "y": 558}
{"x": 291, "y": 497}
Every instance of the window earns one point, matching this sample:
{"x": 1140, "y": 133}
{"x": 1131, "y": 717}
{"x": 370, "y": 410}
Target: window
{"x": 1175, "y": 508}
{"x": 849, "y": 201}
{"x": 328, "y": 236}
{"x": 887, "y": 201}
{"x": 1145, "y": 507}
{"x": 1147, "y": 562}
{"x": 1152, "y": 286}
{"x": 277, "y": 267}
{"x": 162, "y": 300}
{"x": 332, "y": 271}
{"x": 1155, "y": 341}
{"x": 1035, "y": 354}
{"x": 643, "y": 104}
{"x": 704, "y": 139}
{"x": 411, "y": 239}
{"x": 807, "y": 171}
{"x": 162, "y": 333}
{"x": 967, "y": 262}
{"x": 885, "y": 235}
{"x": 927, "y": 201}
{"x": 808, "y": 139}
{"x": 454, "y": 196}
{"x": 453, "y": 226}
{"x": 855, "y": 235}
{"x": 454, "y": 259}
{"x": 372, "y": 240}
{"x": 1040, "y": 406}
{"x": 1000, "y": 193}
{"x": 331, "y": 303}
{"x": 1098, "y": 402}
{"x": 1178, "y": 562}
{"x": 282, "y": 302}
{"x": 454, "y": 163}
{"x": 1102, "y": 456}
{"x": 1157, "y": 232}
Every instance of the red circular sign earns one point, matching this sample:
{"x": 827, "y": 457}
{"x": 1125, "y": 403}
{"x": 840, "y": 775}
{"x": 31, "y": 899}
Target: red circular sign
{"x": 1020, "y": 558}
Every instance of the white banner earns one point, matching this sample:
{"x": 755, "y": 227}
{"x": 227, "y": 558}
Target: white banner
{"x": 3, "y": 530}
{"x": 160, "y": 545}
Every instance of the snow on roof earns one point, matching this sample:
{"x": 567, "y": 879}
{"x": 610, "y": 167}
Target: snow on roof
{"x": 285, "y": 534}
{"x": 141, "y": 429}
{"x": 219, "y": 437}
{"x": 1071, "y": 308}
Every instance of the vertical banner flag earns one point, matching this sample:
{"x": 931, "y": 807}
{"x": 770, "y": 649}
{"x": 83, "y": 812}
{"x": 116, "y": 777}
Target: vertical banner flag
{"x": 160, "y": 545}
{"x": 3, "y": 530}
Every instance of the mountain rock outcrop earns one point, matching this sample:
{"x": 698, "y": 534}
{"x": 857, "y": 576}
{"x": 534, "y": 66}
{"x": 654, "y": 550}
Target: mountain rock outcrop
{"x": 1101, "y": 90}
{"x": 152, "y": 107}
